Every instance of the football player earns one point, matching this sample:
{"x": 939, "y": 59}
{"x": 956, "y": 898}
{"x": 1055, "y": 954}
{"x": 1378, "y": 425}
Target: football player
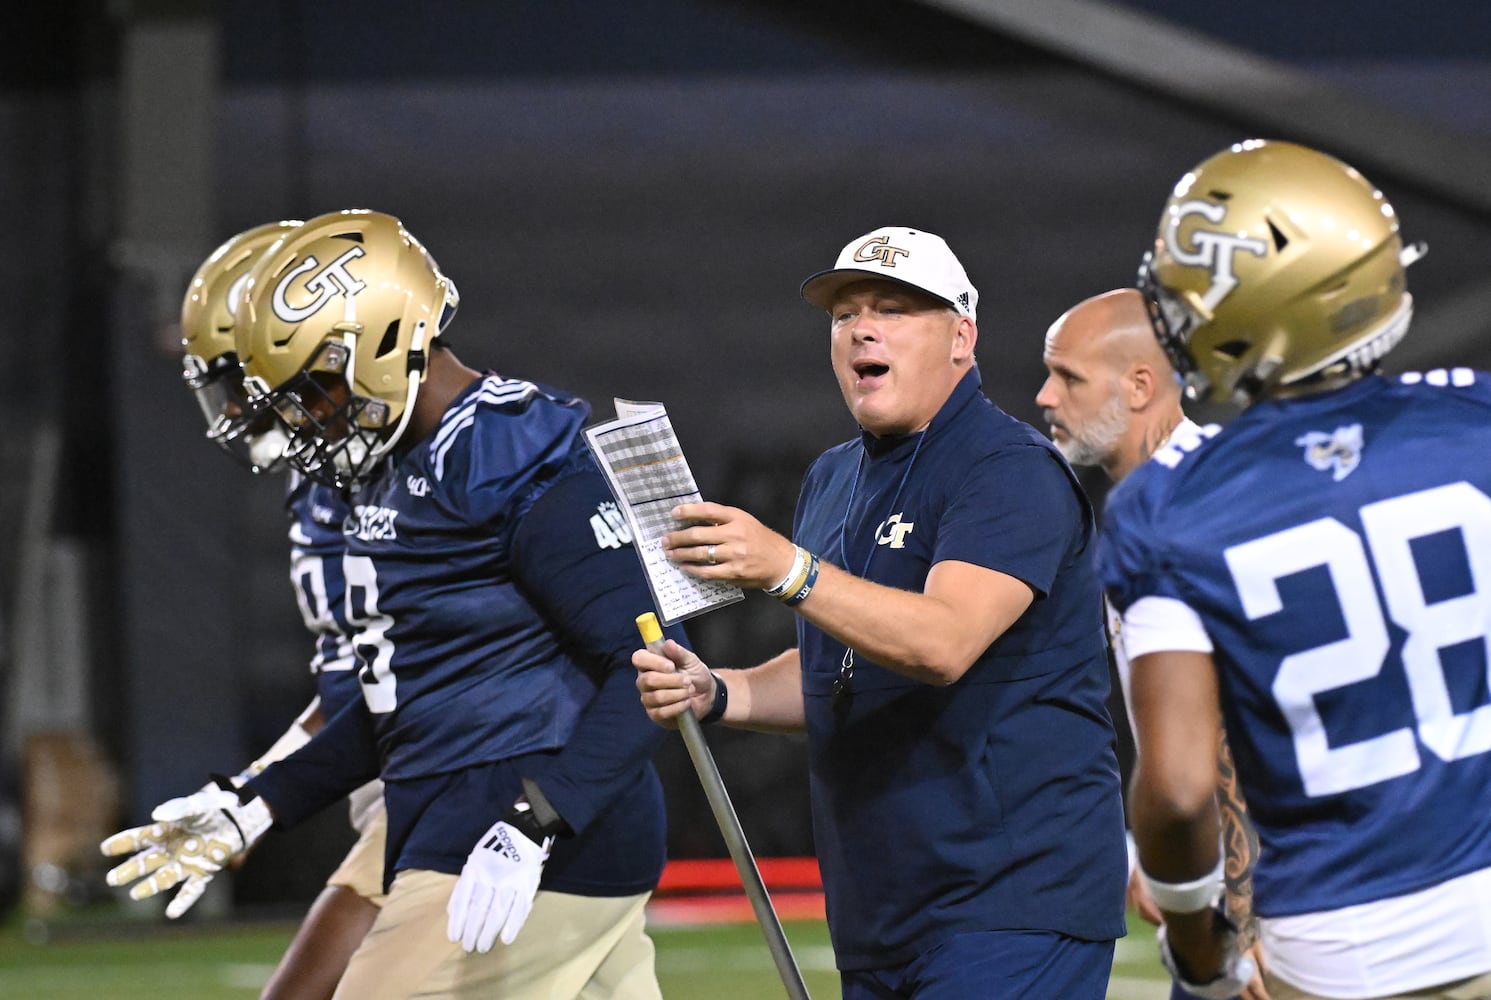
{"x": 493, "y": 626}
{"x": 1112, "y": 399}
{"x": 344, "y": 911}
{"x": 1318, "y": 569}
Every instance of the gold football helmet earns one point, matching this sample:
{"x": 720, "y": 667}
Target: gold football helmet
{"x": 333, "y": 330}
{"x": 210, "y": 365}
{"x": 1275, "y": 264}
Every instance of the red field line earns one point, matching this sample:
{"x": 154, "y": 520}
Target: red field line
{"x": 706, "y": 874}
{"x": 708, "y": 891}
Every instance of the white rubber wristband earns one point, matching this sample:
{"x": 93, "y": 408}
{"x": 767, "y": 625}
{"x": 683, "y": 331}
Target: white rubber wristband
{"x": 800, "y": 561}
{"x": 1186, "y": 897}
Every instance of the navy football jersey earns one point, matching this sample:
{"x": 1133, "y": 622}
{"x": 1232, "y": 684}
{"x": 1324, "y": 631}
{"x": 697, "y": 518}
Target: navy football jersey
{"x": 1337, "y": 549}
{"x": 992, "y": 803}
{"x": 492, "y": 606}
{"x": 316, "y": 513}
{"x": 459, "y": 667}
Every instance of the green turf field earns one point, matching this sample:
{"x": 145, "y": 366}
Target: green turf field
{"x": 108, "y": 959}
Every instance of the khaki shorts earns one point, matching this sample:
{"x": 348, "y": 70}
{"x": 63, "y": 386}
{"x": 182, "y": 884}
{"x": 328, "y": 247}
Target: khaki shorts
{"x": 1475, "y": 988}
{"x": 362, "y": 869}
{"x": 587, "y": 947}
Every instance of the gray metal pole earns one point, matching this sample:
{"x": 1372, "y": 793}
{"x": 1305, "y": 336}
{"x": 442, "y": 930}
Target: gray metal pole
{"x": 729, "y": 824}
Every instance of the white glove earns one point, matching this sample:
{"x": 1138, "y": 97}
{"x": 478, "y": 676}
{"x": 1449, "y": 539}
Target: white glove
{"x": 1237, "y": 972}
{"x": 496, "y": 888}
{"x": 191, "y": 840}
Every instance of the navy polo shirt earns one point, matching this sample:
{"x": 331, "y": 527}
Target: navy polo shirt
{"x": 992, "y": 803}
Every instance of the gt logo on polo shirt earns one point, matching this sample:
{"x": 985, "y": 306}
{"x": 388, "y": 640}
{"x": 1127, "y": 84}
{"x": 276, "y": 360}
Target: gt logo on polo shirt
{"x": 893, "y": 531}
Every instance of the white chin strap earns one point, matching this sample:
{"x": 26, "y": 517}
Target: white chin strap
{"x": 416, "y": 377}
{"x": 348, "y": 459}
{"x": 354, "y": 454}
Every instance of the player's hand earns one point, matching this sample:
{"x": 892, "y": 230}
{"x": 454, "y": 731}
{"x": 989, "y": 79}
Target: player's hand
{"x": 671, "y": 682}
{"x": 728, "y": 544}
{"x": 191, "y": 840}
{"x": 1140, "y": 901}
{"x": 1236, "y": 973}
{"x": 1255, "y": 989}
{"x": 494, "y": 894}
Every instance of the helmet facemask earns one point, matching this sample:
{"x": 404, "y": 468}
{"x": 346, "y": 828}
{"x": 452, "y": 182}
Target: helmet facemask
{"x": 333, "y": 436}
{"x": 1173, "y": 321}
{"x": 253, "y": 438}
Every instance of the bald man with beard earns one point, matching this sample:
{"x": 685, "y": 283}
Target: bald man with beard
{"x": 1112, "y": 400}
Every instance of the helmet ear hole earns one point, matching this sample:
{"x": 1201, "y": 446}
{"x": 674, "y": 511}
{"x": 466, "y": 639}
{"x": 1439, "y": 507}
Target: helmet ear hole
{"x": 1232, "y": 350}
{"x": 390, "y": 341}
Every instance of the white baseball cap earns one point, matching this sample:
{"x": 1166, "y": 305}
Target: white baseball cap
{"x": 909, "y": 256}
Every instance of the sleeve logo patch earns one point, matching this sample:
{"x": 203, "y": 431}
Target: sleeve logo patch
{"x": 610, "y": 527}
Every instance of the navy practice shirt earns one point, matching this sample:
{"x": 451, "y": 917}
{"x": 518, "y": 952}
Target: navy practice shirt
{"x": 1335, "y": 547}
{"x": 992, "y": 803}
{"x": 494, "y": 623}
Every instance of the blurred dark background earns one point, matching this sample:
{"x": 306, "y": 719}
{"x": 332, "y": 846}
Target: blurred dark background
{"x": 628, "y": 195}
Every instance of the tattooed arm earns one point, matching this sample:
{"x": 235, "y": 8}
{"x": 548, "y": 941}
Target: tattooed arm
{"x": 1240, "y": 851}
{"x": 1239, "y": 843}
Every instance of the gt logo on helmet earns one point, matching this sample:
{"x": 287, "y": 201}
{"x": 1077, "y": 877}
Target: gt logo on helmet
{"x": 1210, "y": 249}
{"x": 332, "y": 279}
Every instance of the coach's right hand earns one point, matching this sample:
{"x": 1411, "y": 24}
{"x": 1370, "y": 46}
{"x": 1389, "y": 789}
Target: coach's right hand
{"x": 671, "y": 681}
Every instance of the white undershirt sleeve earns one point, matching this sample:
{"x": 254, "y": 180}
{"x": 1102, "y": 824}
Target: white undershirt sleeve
{"x": 1160, "y": 624}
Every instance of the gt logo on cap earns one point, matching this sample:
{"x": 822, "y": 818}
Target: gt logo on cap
{"x": 883, "y": 252}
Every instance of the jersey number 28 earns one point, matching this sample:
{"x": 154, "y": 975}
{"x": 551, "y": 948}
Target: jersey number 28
{"x": 1390, "y": 527}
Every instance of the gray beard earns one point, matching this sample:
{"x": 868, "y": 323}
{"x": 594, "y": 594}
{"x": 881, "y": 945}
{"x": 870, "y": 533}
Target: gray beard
{"x": 1098, "y": 437}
